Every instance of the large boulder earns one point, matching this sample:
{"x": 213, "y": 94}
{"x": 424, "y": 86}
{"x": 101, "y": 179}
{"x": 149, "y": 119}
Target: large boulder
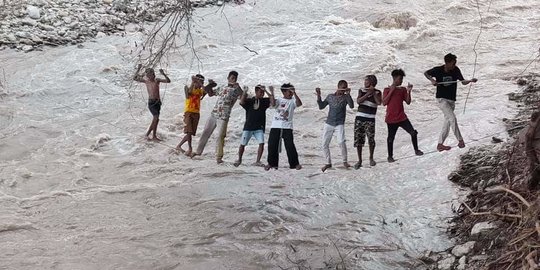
{"x": 33, "y": 12}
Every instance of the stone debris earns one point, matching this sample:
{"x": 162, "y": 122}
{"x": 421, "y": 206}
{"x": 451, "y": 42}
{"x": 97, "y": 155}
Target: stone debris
{"x": 38, "y": 23}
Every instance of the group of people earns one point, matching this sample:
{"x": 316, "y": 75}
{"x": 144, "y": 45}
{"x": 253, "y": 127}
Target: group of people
{"x": 444, "y": 77}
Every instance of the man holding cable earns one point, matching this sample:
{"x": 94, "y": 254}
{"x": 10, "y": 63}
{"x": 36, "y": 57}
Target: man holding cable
{"x": 446, "y": 77}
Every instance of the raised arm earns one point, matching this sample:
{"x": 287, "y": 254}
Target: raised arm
{"x": 297, "y": 98}
{"x": 429, "y": 77}
{"x": 271, "y": 95}
{"x": 209, "y": 88}
{"x": 243, "y": 97}
{"x": 137, "y": 77}
{"x": 322, "y": 104}
{"x": 408, "y": 98}
{"x": 350, "y": 101}
{"x": 166, "y": 80}
{"x": 378, "y": 97}
{"x": 388, "y": 95}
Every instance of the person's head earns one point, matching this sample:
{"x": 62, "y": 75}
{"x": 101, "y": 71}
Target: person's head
{"x": 342, "y": 85}
{"x": 397, "y": 76}
{"x": 198, "y": 81}
{"x": 287, "y": 90}
{"x": 370, "y": 80}
{"x": 259, "y": 91}
{"x": 450, "y": 61}
{"x": 150, "y": 74}
{"x": 233, "y": 77}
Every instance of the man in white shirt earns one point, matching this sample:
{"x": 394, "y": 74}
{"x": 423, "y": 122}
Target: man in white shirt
{"x": 282, "y": 127}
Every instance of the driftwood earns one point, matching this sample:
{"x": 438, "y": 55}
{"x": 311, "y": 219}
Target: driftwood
{"x": 530, "y": 150}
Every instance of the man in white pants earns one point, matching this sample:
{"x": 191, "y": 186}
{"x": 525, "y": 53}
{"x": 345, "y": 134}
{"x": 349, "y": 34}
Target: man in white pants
{"x": 335, "y": 122}
{"x": 446, "y": 77}
{"x": 220, "y": 115}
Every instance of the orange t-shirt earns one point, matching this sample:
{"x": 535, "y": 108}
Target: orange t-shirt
{"x": 193, "y": 102}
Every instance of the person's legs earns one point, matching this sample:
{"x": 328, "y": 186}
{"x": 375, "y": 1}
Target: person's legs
{"x": 370, "y": 133}
{"x": 407, "y": 126}
{"x": 191, "y": 120}
{"x": 220, "y": 144}
{"x": 450, "y": 122}
{"x": 328, "y": 131}
{"x": 273, "y": 148}
{"x": 246, "y": 136}
{"x": 207, "y": 131}
{"x": 259, "y": 136}
{"x": 340, "y": 129}
{"x": 392, "y": 130}
{"x": 292, "y": 155}
{"x": 359, "y": 140}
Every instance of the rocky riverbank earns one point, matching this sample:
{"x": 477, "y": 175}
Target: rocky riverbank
{"x": 30, "y": 25}
{"x": 497, "y": 225}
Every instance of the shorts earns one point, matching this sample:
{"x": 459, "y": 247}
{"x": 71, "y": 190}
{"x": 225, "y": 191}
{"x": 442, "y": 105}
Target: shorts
{"x": 363, "y": 129}
{"x": 258, "y": 134}
{"x": 154, "y": 105}
{"x": 191, "y": 121}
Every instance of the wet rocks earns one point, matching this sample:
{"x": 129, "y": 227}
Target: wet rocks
{"x": 446, "y": 263}
{"x": 482, "y": 227}
{"x": 463, "y": 249}
{"x": 38, "y": 23}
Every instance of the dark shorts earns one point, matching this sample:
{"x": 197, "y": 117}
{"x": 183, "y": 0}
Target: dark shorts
{"x": 191, "y": 121}
{"x": 363, "y": 129}
{"x": 154, "y": 105}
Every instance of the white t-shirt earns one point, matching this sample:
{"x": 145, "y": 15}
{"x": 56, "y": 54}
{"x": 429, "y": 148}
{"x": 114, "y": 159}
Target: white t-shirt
{"x": 283, "y": 115}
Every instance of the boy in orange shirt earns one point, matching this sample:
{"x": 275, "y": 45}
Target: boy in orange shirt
{"x": 194, "y": 94}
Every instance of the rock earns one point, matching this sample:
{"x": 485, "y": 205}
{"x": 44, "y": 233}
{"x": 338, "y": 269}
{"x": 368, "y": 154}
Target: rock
{"x": 482, "y": 227}
{"x": 46, "y": 27}
{"x": 22, "y": 34}
{"x": 11, "y": 37}
{"x": 67, "y": 20}
{"x": 479, "y": 258}
{"x": 100, "y": 35}
{"x": 33, "y": 12}
{"x": 463, "y": 249}
{"x": 29, "y": 22}
{"x": 462, "y": 264}
{"x": 447, "y": 263}
{"x": 27, "y": 48}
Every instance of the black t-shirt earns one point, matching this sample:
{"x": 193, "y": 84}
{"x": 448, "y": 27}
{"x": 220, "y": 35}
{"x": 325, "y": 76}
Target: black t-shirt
{"x": 447, "y": 91}
{"x": 256, "y": 113}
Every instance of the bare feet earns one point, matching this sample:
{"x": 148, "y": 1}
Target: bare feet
{"x": 188, "y": 153}
{"x": 391, "y": 159}
{"x": 194, "y": 154}
{"x": 324, "y": 168}
{"x": 237, "y": 163}
{"x": 419, "y": 153}
{"x": 268, "y": 167}
{"x": 156, "y": 139}
{"x": 258, "y": 164}
{"x": 358, "y": 165}
{"x": 346, "y": 165}
{"x": 179, "y": 149}
{"x": 461, "y": 144}
{"x": 372, "y": 162}
{"x": 441, "y": 147}
{"x": 298, "y": 167}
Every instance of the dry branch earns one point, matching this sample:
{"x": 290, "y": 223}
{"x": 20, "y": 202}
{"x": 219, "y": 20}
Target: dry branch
{"x": 501, "y": 188}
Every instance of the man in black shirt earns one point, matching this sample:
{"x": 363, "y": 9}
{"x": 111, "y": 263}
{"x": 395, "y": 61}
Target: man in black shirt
{"x": 255, "y": 120}
{"x": 446, "y": 77}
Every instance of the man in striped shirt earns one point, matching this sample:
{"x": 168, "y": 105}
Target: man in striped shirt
{"x": 364, "y": 124}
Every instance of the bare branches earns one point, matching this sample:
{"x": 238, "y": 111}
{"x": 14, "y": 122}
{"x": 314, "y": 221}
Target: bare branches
{"x": 164, "y": 35}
